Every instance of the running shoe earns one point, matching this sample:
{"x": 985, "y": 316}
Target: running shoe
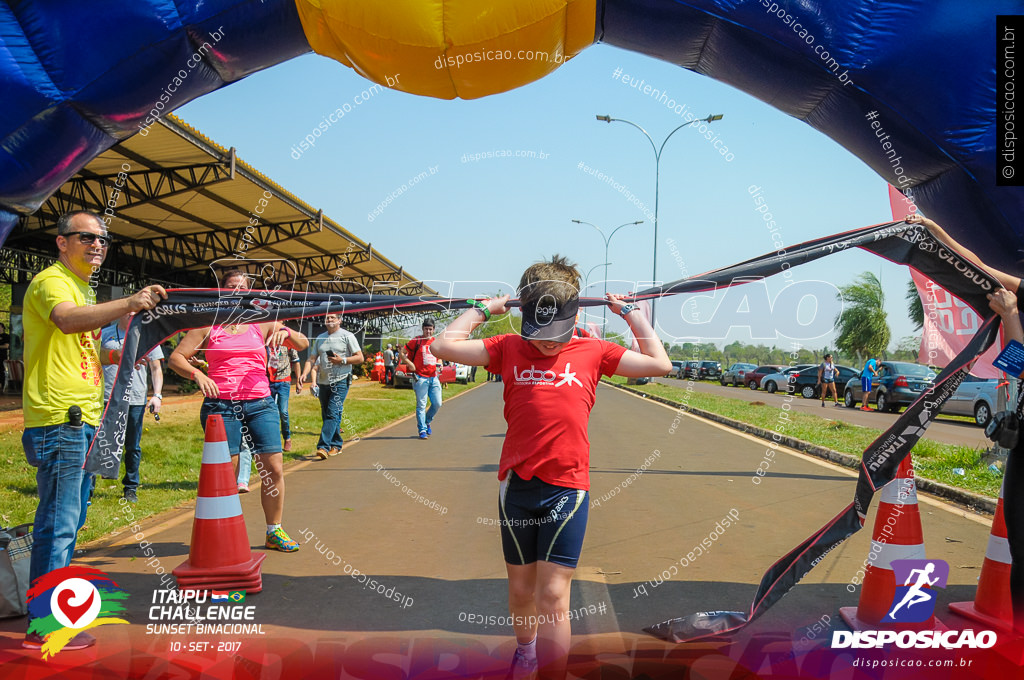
{"x": 80, "y": 641}
{"x": 429, "y": 431}
{"x": 243, "y": 487}
{"x": 521, "y": 668}
{"x": 423, "y": 434}
{"x": 131, "y": 496}
{"x": 865, "y": 408}
{"x": 322, "y": 454}
{"x": 279, "y": 540}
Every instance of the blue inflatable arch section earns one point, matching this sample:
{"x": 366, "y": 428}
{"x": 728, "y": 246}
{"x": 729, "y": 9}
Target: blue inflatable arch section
{"x": 77, "y": 77}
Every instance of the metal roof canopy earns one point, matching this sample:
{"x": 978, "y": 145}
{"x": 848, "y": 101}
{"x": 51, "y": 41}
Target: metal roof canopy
{"x": 181, "y": 202}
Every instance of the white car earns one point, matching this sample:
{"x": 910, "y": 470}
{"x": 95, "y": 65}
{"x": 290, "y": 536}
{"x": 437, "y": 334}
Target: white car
{"x": 773, "y": 381}
{"x": 462, "y": 374}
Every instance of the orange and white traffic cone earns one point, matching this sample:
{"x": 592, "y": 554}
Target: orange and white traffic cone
{"x": 991, "y": 604}
{"x": 897, "y": 536}
{"x": 219, "y": 554}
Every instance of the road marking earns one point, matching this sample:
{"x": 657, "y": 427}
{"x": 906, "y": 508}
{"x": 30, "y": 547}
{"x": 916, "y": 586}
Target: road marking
{"x": 922, "y": 498}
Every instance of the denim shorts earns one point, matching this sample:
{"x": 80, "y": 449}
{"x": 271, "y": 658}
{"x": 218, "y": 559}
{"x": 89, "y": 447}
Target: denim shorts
{"x": 256, "y": 420}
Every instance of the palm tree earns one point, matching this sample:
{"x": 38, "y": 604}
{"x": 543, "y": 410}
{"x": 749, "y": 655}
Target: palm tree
{"x": 914, "y": 307}
{"x": 862, "y": 325}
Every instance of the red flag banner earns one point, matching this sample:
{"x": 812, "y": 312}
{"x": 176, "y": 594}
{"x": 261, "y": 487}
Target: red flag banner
{"x": 949, "y": 324}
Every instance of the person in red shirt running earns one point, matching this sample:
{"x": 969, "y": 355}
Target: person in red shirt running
{"x": 426, "y": 384}
{"x": 550, "y": 380}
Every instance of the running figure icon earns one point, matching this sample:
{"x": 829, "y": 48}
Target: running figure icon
{"x": 916, "y": 594}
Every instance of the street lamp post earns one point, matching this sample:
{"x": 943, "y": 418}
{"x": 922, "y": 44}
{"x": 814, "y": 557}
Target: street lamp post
{"x": 586, "y": 277}
{"x": 607, "y": 240}
{"x": 657, "y": 174}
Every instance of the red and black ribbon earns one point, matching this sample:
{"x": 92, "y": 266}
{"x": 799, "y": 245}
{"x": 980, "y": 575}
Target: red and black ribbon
{"x": 898, "y": 242}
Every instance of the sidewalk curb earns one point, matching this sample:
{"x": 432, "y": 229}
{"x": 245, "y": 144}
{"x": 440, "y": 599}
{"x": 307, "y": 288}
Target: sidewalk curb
{"x": 973, "y": 501}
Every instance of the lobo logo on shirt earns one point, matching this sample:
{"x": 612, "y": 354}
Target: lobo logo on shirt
{"x": 535, "y": 376}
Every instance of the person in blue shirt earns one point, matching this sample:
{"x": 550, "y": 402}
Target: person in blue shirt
{"x": 869, "y": 372}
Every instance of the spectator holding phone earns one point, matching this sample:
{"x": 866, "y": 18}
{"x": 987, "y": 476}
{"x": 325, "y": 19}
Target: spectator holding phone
{"x": 331, "y": 357}
{"x": 112, "y": 337}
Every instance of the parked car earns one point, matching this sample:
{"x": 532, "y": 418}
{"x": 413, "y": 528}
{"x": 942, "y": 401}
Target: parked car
{"x": 445, "y": 374}
{"x": 709, "y": 370}
{"x": 897, "y": 385}
{"x": 805, "y": 382}
{"x": 752, "y": 379}
{"x": 773, "y": 381}
{"x": 691, "y": 370}
{"x": 677, "y": 369}
{"x": 975, "y": 397}
{"x": 735, "y": 374}
{"x": 462, "y": 374}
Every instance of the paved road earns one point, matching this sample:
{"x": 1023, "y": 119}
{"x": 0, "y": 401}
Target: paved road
{"x": 946, "y": 431}
{"x": 357, "y": 506}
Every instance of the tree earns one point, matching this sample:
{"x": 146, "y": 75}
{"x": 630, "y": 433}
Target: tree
{"x": 907, "y": 348}
{"x": 863, "y": 326}
{"x": 914, "y": 307}
{"x": 498, "y": 325}
{"x": 618, "y": 339}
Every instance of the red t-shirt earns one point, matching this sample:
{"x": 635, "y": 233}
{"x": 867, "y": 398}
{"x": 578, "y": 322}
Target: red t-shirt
{"x": 547, "y": 406}
{"x": 419, "y": 350}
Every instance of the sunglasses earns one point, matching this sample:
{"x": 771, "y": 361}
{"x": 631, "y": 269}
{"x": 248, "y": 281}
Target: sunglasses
{"x": 88, "y": 238}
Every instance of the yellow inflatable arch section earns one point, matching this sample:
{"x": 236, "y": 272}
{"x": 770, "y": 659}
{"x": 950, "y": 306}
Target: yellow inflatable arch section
{"x": 449, "y": 48}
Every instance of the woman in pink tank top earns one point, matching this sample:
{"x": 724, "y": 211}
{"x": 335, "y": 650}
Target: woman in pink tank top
{"x": 237, "y": 388}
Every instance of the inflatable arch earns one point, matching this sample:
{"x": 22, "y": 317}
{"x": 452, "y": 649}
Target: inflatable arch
{"x": 77, "y": 77}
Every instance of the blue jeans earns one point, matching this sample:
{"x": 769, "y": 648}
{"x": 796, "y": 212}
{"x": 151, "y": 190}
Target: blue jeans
{"x": 280, "y": 392}
{"x": 426, "y": 387}
{"x": 332, "y": 405}
{"x": 58, "y": 454}
{"x": 133, "y": 447}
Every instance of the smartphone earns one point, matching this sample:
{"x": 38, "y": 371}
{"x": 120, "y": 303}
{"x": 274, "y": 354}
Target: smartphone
{"x": 331, "y": 353}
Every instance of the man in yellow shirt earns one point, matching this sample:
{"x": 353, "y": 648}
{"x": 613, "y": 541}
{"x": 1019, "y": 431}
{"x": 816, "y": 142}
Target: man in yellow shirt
{"x": 63, "y": 388}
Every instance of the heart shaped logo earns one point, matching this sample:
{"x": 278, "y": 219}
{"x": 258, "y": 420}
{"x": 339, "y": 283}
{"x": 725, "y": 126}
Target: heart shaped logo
{"x": 75, "y": 603}
{"x": 74, "y": 612}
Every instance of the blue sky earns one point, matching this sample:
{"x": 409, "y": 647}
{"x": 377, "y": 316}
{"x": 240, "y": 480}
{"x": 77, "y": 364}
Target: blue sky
{"x": 484, "y": 221}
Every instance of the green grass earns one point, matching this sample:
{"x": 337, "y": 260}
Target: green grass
{"x": 932, "y": 460}
{"x": 172, "y": 450}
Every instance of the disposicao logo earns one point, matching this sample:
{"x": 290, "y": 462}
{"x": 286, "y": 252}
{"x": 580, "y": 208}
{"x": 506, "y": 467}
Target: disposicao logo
{"x": 68, "y": 601}
{"x": 914, "y": 602}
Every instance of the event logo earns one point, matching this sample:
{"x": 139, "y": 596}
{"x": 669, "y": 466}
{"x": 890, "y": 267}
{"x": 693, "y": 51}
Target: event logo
{"x": 914, "y": 601}
{"x": 68, "y": 601}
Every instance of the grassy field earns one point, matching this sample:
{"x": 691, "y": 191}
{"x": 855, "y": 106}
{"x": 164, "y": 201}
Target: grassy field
{"x": 932, "y": 460}
{"x": 172, "y": 448}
